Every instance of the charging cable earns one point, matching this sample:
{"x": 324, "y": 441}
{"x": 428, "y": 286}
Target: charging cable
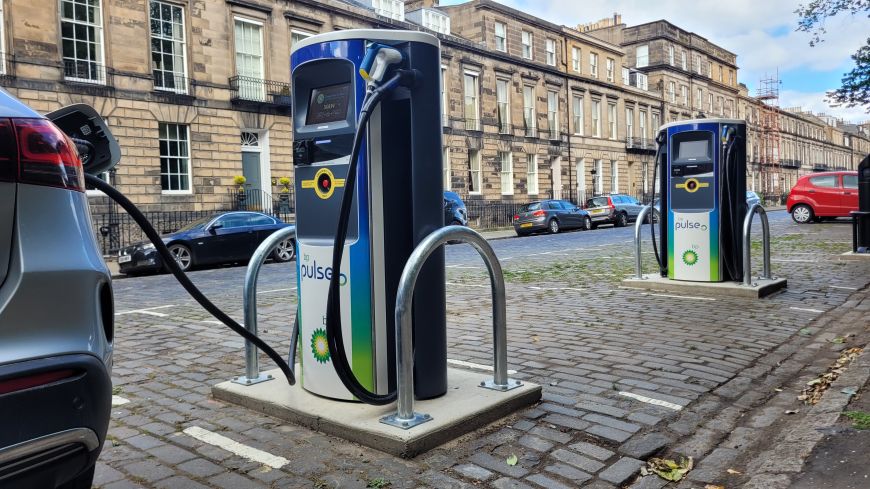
{"x": 170, "y": 263}
{"x": 660, "y": 151}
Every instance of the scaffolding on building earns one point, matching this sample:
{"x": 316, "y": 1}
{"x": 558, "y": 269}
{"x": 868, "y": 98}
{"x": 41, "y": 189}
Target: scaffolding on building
{"x": 769, "y": 168}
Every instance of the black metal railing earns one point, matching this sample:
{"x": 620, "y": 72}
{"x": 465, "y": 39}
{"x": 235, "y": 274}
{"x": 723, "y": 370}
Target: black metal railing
{"x": 115, "y": 230}
{"x": 473, "y": 125}
{"x": 86, "y": 72}
{"x": 551, "y": 134}
{"x": 492, "y": 214}
{"x": 248, "y": 89}
{"x": 173, "y": 83}
{"x": 640, "y": 144}
{"x": 790, "y": 163}
{"x": 254, "y": 199}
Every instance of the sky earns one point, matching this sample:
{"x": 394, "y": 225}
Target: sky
{"x": 761, "y": 33}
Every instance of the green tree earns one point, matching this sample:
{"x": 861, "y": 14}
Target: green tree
{"x": 855, "y": 89}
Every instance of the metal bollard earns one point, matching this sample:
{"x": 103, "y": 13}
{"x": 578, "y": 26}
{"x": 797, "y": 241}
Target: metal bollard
{"x": 405, "y": 417}
{"x": 747, "y": 244}
{"x": 638, "y": 225}
{"x": 249, "y": 300}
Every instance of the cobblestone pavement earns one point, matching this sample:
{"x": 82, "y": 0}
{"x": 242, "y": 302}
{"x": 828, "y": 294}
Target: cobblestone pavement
{"x": 602, "y": 353}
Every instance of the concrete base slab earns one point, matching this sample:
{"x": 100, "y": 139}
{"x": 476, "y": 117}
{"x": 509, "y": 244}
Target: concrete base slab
{"x": 464, "y": 408}
{"x": 855, "y": 256}
{"x": 760, "y": 287}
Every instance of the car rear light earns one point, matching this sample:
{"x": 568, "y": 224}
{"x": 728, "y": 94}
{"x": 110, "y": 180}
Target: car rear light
{"x": 538, "y": 213}
{"x": 45, "y": 155}
{"x": 516, "y": 217}
{"x": 22, "y": 383}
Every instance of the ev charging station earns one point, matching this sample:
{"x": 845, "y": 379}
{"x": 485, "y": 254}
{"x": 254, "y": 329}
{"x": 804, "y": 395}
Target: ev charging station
{"x": 704, "y": 222}
{"x": 703, "y": 189}
{"x": 371, "y": 319}
{"x": 394, "y": 208}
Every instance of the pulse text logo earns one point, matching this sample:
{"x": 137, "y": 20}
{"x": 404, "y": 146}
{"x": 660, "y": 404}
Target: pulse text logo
{"x": 316, "y": 272}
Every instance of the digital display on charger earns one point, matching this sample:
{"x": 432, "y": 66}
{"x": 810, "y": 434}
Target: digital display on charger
{"x": 328, "y": 104}
{"x": 692, "y": 150}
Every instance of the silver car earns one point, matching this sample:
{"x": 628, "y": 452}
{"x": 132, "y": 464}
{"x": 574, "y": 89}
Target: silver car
{"x": 56, "y": 308}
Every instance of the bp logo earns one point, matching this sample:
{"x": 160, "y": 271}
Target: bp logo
{"x": 319, "y": 346}
{"x": 690, "y": 257}
{"x": 320, "y": 98}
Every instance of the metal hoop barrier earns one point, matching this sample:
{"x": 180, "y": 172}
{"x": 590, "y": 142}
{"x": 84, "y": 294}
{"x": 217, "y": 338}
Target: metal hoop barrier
{"x": 405, "y": 417}
{"x": 249, "y": 304}
{"x": 747, "y": 244}
{"x": 638, "y": 225}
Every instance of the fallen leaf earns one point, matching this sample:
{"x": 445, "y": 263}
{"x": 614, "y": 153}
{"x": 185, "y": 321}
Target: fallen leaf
{"x": 838, "y": 340}
{"x": 713, "y": 486}
{"x": 535, "y": 339}
{"x": 669, "y": 469}
{"x": 512, "y": 460}
{"x": 814, "y": 382}
{"x": 805, "y": 332}
{"x": 778, "y": 389}
{"x": 792, "y": 411}
{"x": 734, "y": 472}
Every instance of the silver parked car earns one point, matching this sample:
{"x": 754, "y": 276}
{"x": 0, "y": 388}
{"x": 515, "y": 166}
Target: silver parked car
{"x": 56, "y": 306}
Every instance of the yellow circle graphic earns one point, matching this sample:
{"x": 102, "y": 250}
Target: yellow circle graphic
{"x": 692, "y": 185}
{"x": 324, "y": 183}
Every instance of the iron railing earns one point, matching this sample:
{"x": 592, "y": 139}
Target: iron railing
{"x": 489, "y": 214}
{"x": 173, "y": 83}
{"x": 86, "y": 72}
{"x": 258, "y": 200}
{"x": 116, "y": 230}
{"x": 248, "y": 89}
{"x": 641, "y": 144}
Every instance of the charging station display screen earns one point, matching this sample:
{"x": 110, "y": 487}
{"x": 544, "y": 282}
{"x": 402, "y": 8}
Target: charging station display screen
{"x": 328, "y": 104}
{"x": 693, "y": 150}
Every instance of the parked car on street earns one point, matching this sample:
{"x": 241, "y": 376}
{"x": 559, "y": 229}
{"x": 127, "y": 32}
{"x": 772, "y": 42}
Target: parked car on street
{"x": 616, "y": 209}
{"x": 455, "y": 212}
{"x": 823, "y": 195}
{"x": 56, "y": 302}
{"x": 229, "y": 237}
{"x": 551, "y": 216}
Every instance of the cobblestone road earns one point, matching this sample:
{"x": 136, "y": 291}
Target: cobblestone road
{"x": 602, "y": 352}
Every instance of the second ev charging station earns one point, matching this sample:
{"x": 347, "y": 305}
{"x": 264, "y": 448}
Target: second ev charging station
{"x": 372, "y": 230}
{"x": 702, "y": 168}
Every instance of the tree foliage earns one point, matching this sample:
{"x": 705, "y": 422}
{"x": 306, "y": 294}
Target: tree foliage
{"x": 856, "y": 83}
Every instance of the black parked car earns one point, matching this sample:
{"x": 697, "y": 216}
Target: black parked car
{"x": 224, "y": 238}
{"x": 552, "y": 216}
{"x": 455, "y": 212}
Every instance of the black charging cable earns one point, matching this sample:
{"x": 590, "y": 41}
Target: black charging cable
{"x": 660, "y": 151}
{"x": 170, "y": 264}
{"x": 733, "y": 215}
{"x": 334, "y": 334}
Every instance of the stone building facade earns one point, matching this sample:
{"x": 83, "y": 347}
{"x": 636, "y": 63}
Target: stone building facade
{"x": 197, "y": 91}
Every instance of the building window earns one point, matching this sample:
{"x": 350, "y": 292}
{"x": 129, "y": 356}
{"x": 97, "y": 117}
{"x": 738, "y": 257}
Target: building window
{"x": 249, "y": 60}
{"x": 611, "y": 67}
{"x": 168, "y": 49}
{"x": 474, "y": 171}
{"x": 641, "y": 81}
{"x": 472, "y": 109}
{"x": 503, "y": 105}
{"x": 699, "y": 97}
{"x": 614, "y": 177}
{"x": 720, "y": 104}
{"x": 174, "y": 158}
{"x": 527, "y": 44}
{"x": 596, "y": 118}
{"x": 529, "y": 115}
{"x": 448, "y": 173}
{"x": 444, "y": 105}
{"x": 577, "y": 106}
{"x": 710, "y": 104}
{"x": 297, "y": 35}
{"x": 642, "y": 56}
{"x": 506, "y": 162}
{"x": 394, "y": 9}
{"x": 721, "y": 74}
{"x": 641, "y": 126}
{"x": 611, "y": 120}
{"x": 656, "y": 121}
{"x": 551, "y": 52}
{"x": 645, "y": 176}
{"x": 672, "y": 92}
{"x": 575, "y": 59}
{"x": 684, "y": 95}
{"x": 553, "y": 113}
{"x": 671, "y": 55}
{"x": 629, "y": 123}
{"x": 710, "y": 69}
{"x": 598, "y": 178}
{"x": 731, "y": 77}
{"x": 684, "y": 61}
{"x": 533, "y": 174}
{"x": 729, "y": 108}
{"x": 626, "y": 76}
{"x": 500, "y": 37}
{"x": 696, "y": 63}
{"x": 593, "y": 64}
{"x": 81, "y": 26}
{"x": 436, "y": 21}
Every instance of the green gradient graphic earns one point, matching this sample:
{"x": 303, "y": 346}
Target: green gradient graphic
{"x": 362, "y": 340}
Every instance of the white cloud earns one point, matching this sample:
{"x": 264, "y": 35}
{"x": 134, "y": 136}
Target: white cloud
{"x": 815, "y": 103}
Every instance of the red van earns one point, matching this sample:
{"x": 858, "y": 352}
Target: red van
{"x": 826, "y": 194}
